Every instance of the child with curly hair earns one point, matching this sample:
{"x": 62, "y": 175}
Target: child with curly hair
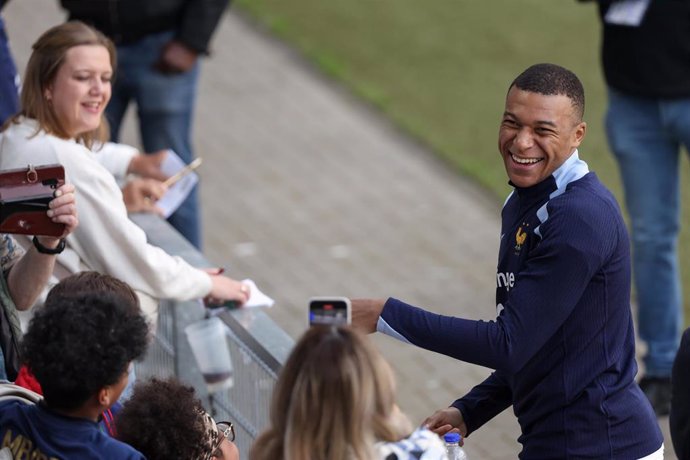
{"x": 164, "y": 420}
{"x": 80, "y": 348}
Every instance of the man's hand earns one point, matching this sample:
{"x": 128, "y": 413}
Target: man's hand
{"x": 176, "y": 58}
{"x": 446, "y": 421}
{"x": 365, "y": 313}
{"x": 148, "y": 165}
{"x": 140, "y": 195}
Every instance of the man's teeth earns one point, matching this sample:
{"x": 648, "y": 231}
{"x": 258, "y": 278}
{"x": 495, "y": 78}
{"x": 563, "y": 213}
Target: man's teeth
{"x": 525, "y": 161}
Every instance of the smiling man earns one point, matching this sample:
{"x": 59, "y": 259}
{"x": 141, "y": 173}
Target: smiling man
{"x": 562, "y": 345}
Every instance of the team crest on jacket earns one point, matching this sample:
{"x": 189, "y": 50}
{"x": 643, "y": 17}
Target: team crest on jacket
{"x": 520, "y": 238}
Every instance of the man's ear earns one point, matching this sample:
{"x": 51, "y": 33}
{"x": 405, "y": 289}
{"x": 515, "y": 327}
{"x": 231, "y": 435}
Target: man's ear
{"x": 579, "y": 133}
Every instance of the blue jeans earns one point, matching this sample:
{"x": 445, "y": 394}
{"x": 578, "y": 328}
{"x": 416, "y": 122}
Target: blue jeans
{"x": 645, "y": 135}
{"x": 9, "y": 80}
{"x": 165, "y": 105}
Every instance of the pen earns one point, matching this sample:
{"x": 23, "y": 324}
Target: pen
{"x": 170, "y": 181}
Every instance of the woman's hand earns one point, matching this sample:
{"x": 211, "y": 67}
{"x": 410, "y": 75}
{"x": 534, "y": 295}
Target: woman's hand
{"x": 140, "y": 195}
{"x": 148, "y": 165}
{"x": 224, "y": 288}
{"x": 63, "y": 210}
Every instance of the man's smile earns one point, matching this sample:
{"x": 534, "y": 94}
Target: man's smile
{"x": 525, "y": 161}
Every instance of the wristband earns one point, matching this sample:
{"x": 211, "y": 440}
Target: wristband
{"x": 51, "y": 251}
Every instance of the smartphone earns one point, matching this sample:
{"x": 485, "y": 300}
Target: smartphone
{"x": 334, "y": 311}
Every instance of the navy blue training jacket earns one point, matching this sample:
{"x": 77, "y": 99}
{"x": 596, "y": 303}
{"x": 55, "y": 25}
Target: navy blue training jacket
{"x": 562, "y": 344}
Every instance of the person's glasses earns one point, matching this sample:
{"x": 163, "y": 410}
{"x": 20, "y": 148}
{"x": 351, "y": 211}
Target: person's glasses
{"x": 227, "y": 430}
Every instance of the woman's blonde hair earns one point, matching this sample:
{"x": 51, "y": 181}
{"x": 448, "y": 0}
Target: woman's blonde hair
{"x": 334, "y": 399}
{"x": 47, "y": 57}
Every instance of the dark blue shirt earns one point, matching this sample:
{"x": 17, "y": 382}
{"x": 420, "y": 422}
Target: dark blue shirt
{"x": 562, "y": 344}
{"x": 33, "y": 431}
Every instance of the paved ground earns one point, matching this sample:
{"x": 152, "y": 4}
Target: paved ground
{"x": 308, "y": 192}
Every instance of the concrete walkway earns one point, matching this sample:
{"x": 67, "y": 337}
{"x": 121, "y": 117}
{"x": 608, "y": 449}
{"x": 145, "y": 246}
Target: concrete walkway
{"x": 308, "y": 192}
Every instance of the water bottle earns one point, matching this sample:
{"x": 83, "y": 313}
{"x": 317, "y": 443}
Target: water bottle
{"x": 455, "y": 452}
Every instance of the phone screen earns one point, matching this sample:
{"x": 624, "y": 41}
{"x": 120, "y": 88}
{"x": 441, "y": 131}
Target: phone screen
{"x": 330, "y": 311}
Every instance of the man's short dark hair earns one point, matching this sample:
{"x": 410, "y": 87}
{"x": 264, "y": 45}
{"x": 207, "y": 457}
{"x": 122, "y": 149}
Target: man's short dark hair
{"x": 79, "y": 343}
{"x": 163, "y": 420}
{"x": 91, "y": 281}
{"x": 553, "y": 80}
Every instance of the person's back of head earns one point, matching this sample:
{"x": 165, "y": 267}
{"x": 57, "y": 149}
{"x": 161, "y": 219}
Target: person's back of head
{"x": 95, "y": 283}
{"x": 334, "y": 399}
{"x": 80, "y": 344}
{"x": 164, "y": 419}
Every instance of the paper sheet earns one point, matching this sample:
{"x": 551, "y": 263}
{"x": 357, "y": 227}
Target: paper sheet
{"x": 256, "y": 297}
{"x": 177, "y": 193}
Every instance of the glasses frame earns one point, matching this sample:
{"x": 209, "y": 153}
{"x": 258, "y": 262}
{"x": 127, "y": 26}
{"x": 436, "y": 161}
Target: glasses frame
{"x": 228, "y": 433}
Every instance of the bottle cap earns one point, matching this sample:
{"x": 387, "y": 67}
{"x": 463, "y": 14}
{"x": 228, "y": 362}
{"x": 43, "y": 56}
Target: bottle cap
{"x": 451, "y": 437}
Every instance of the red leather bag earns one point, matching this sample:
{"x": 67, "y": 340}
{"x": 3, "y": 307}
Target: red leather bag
{"x": 24, "y": 197}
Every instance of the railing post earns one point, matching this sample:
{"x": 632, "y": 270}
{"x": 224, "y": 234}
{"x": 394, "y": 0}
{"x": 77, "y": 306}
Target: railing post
{"x": 186, "y": 369}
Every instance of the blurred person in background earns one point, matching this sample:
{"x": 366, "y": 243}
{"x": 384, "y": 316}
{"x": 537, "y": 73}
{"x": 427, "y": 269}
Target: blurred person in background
{"x": 9, "y": 79}
{"x": 646, "y": 62}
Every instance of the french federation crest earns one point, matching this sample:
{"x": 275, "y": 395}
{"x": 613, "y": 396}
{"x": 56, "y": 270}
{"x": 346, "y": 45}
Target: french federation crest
{"x": 520, "y": 238}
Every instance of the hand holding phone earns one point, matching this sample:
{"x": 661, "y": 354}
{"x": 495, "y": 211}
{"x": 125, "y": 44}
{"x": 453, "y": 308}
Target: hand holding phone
{"x": 335, "y": 311}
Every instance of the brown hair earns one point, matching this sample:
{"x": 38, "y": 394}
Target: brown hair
{"x": 94, "y": 282}
{"x": 334, "y": 399}
{"x": 164, "y": 419}
{"x": 46, "y": 59}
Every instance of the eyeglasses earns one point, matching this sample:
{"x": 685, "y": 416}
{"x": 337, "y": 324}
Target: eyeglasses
{"x": 228, "y": 431}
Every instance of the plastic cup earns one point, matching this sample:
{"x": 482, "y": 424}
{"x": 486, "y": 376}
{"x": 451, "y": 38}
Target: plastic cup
{"x": 210, "y": 348}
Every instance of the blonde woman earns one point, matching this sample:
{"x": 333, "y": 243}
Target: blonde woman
{"x": 335, "y": 400}
{"x": 67, "y": 85}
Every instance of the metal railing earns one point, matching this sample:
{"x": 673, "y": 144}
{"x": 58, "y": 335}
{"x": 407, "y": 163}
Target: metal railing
{"x": 258, "y": 347}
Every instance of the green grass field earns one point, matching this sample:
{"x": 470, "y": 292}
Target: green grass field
{"x": 440, "y": 69}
